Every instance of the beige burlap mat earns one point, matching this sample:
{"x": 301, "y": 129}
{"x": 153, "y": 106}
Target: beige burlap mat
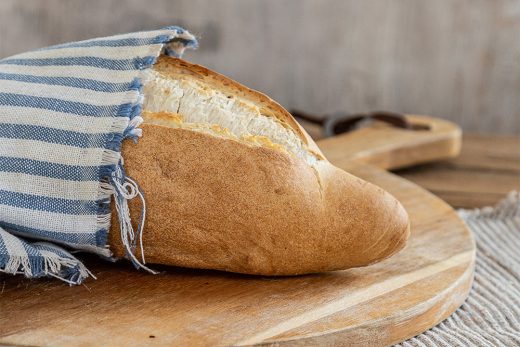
{"x": 491, "y": 314}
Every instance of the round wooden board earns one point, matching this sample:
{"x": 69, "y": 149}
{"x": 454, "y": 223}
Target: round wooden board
{"x": 378, "y": 305}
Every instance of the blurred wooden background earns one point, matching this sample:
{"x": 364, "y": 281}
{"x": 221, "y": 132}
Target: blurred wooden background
{"x": 456, "y": 59}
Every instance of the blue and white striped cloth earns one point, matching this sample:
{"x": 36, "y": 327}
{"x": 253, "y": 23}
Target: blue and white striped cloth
{"x": 64, "y": 112}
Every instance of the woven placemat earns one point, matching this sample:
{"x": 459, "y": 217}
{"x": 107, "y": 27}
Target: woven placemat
{"x": 491, "y": 314}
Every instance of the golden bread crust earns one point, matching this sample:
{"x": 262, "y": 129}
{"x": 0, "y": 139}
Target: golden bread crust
{"x": 219, "y": 204}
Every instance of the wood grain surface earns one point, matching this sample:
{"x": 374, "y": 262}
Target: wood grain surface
{"x": 455, "y": 59}
{"x": 377, "y": 305}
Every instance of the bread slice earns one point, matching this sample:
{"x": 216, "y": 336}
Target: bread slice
{"x": 233, "y": 183}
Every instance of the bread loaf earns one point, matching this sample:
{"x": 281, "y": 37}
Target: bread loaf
{"x": 233, "y": 183}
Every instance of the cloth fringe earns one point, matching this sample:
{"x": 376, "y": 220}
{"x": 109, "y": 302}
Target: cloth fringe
{"x": 123, "y": 187}
{"x": 40, "y": 259}
{"x": 125, "y": 190}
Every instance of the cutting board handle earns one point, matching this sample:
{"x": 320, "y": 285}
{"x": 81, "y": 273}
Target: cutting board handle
{"x": 389, "y": 147}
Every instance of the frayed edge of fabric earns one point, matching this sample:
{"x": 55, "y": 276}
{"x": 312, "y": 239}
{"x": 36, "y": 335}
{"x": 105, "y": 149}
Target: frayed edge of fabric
{"x": 118, "y": 185}
{"x": 66, "y": 269}
{"x": 126, "y": 189}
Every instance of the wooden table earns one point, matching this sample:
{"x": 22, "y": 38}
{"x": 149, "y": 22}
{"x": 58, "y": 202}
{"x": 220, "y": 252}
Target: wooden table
{"x": 486, "y": 170}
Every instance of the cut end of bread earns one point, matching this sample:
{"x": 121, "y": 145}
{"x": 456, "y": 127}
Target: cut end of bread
{"x": 178, "y": 95}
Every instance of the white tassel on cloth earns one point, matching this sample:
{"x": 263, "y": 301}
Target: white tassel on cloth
{"x": 126, "y": 189}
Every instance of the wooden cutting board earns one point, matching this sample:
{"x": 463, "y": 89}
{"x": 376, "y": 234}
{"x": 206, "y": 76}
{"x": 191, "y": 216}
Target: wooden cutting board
{"x": 377, "y": 305}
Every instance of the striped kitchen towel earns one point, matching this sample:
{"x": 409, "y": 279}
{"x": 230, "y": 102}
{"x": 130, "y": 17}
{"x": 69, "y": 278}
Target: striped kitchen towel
{"x": 64, "y": 112}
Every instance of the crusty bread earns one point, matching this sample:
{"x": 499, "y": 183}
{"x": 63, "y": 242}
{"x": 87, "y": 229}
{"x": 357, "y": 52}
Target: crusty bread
{"x": 233, "y": 183}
